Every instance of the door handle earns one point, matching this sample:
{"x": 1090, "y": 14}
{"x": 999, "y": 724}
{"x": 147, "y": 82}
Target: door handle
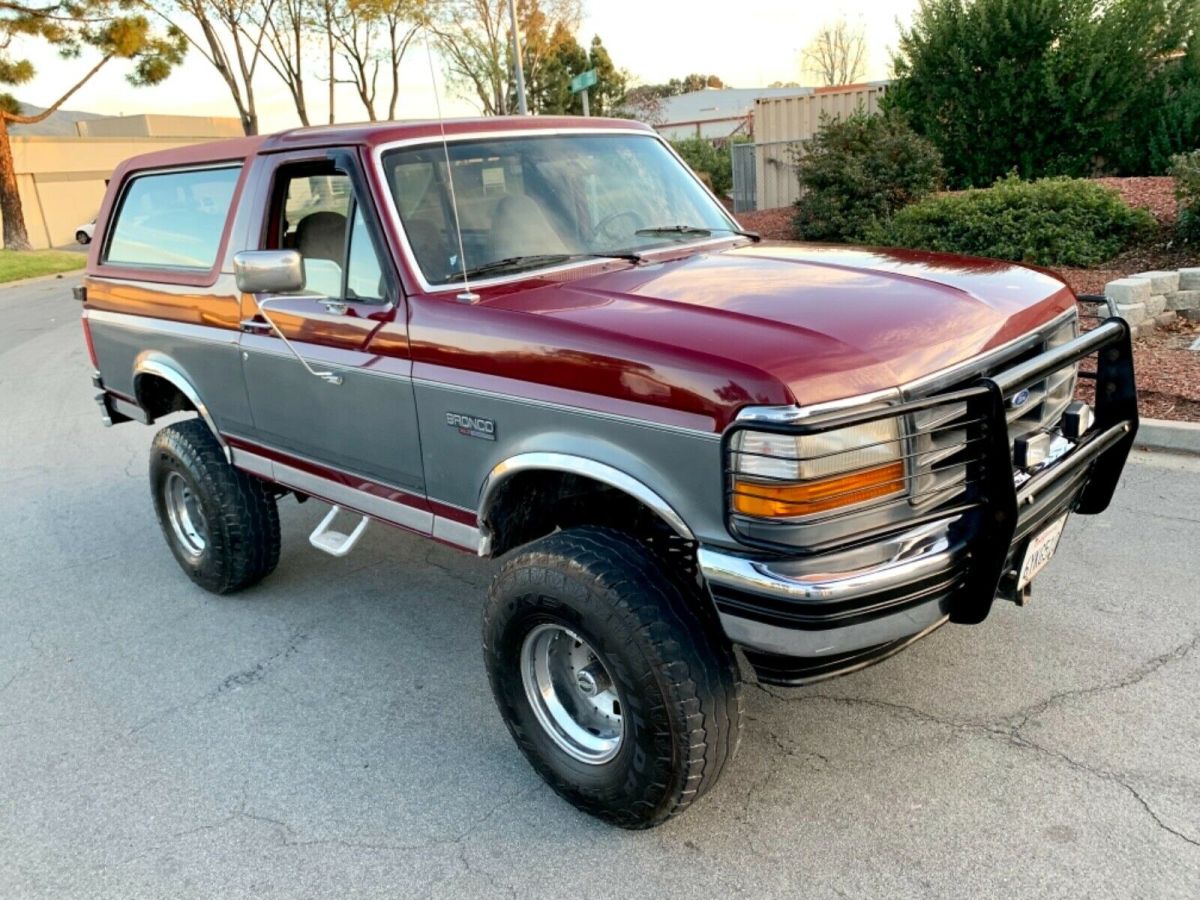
{"x": 255, "y": 326}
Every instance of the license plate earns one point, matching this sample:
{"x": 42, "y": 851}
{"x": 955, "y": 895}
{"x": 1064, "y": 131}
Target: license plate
{"x": 1040, "y": 551}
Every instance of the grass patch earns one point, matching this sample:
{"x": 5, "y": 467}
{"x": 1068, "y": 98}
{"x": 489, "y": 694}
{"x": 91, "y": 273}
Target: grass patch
{"x": 18, "y": 264}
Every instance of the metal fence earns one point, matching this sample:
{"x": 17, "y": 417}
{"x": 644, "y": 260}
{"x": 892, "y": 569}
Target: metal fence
{"x": 745, "y": 193}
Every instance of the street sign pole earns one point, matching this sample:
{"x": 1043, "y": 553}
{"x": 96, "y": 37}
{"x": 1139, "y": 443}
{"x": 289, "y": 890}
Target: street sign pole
{"x": 580, "y": 84}
{"x": 522, "y": 108}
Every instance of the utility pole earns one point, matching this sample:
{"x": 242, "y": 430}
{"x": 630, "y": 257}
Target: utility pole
{"x": 522, "y": 108}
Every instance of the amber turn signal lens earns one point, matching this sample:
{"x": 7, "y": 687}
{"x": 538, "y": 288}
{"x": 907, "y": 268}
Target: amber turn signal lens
{"x": 776, "y": 501}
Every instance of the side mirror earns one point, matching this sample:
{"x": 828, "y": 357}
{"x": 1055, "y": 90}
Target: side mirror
{"x": 269, "y": 271}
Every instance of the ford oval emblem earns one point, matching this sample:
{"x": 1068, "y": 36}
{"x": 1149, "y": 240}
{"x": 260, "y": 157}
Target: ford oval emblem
{"x": 1019, "y": 399}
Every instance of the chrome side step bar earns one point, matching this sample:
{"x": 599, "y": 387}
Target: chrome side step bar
{"x": 336, "y": 543}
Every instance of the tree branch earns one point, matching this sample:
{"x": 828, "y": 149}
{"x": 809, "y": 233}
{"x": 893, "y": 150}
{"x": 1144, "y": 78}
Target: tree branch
{"x": 18, "y": 119}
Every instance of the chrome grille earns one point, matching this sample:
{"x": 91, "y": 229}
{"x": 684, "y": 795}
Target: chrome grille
{"x": 940, "y": 462}
{"x": 940, "y": 435}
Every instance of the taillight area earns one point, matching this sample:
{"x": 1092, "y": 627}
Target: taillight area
{"x": 87, "y": 339}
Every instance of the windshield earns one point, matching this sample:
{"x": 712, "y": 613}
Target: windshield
{"x": 540, "y": 200}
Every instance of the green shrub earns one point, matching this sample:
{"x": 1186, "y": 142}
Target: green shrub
{"x": 1052, "y": 222}
{"x": 1049, "y": 87}
{"x": 712, "y": 163}
{"x": 855, "y": 173}
{"x": 1185, "y": 169}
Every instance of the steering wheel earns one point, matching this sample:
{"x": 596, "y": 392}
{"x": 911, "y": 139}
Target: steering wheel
{"x": 601, "y": 228}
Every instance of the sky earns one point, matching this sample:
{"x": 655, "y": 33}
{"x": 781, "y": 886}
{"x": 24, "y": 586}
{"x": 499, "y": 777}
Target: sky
{"x": 747, "y": 44}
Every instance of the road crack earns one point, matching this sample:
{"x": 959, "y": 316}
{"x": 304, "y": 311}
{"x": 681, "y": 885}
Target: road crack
{"x": 1010, "y": 729}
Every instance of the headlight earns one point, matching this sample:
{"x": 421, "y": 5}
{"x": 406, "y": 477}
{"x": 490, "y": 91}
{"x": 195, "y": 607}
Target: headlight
{"x": 786, "y": 476}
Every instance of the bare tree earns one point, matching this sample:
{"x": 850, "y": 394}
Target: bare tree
{"x": 321, "y": 19}
{"x": 374, "y": 34}
{"x": 837, "y": 55}
{"x": 474, "y": 40}
{"x": 284, "y": 26}
{"x": 355, "y": 30}
{"x": 232, "y": 34}
{"x": 401, "y": 22}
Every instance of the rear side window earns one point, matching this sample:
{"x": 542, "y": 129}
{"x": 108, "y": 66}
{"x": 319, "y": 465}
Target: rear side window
{"x": 172, "y": 219}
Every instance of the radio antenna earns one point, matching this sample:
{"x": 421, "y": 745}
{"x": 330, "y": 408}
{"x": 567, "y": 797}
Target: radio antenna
{"x": 467, "y": 295}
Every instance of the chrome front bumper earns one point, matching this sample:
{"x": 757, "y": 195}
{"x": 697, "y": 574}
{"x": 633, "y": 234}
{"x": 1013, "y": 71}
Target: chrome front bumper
{"x": 775, "y": 606}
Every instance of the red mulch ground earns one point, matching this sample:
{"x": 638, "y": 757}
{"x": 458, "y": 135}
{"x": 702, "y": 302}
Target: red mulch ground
{"x": 1156, "y": 194}
{"x": 772, "y": 224}
{"x": 1168, "y": 372}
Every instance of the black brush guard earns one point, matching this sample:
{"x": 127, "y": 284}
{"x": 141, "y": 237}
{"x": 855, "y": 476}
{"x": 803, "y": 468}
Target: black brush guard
{"x": 997, "y": 517}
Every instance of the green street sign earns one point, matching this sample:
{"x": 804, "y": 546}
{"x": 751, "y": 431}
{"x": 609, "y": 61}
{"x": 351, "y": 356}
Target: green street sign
{"x": 583, "y": 81}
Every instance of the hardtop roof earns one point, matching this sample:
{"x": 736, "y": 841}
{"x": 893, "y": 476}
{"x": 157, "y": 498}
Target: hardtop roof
{"x": 370, "y": 134}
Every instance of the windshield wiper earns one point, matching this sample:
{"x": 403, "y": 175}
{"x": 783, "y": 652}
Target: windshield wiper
{"x": 534, "y": 260}
{"x": 695, "y": 231}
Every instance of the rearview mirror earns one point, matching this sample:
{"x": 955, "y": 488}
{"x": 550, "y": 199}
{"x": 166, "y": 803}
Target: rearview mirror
{"x": 269, "y": 271}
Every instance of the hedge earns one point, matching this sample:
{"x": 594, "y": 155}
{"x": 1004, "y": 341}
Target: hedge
{"x": 1050, "y": 222}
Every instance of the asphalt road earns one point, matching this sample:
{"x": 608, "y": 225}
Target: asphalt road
{"x": 330, "y": 732}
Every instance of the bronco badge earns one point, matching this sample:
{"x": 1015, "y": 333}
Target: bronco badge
{"x": 472, "y": 426}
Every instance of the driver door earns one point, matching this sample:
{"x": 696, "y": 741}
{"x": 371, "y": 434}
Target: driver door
{"x": 360, "y": 418}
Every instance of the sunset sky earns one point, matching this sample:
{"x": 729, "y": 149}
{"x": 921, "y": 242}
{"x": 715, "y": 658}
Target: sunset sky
{"x": 748, "y": 45}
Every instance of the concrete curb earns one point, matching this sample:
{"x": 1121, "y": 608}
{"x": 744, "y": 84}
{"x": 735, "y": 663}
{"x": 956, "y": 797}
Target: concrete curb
{"x": 1174, "y": 437}
{"x": 37, "y": 279}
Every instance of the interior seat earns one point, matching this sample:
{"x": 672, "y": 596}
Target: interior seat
{"x": 521, "y": 227}
{"x": 321, "y": 240}
{"x": 322, "y": 235}
{"x": 429, "y": 245}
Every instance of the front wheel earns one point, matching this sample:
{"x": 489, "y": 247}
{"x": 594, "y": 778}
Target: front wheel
{"x": 221, "y": 524}
{"x": 612, "y": 675}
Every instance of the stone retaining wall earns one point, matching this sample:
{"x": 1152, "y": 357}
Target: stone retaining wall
{"x": 1150, "y": 300}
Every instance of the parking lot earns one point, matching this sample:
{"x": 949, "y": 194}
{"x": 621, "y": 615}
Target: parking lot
{"x": 330, "y": 732}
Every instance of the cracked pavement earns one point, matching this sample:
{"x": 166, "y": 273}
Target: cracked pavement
{"x": 331, "y": 733}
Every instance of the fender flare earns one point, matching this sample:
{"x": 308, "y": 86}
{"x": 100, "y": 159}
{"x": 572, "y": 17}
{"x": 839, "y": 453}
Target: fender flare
{"x": 576, "y": 465}
{"x": 162, "y": 366}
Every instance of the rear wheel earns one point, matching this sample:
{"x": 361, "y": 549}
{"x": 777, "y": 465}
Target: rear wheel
{"x": 82, "y": 237}
{"x": 221, "y": 524}
{"x": 612, "y": 675}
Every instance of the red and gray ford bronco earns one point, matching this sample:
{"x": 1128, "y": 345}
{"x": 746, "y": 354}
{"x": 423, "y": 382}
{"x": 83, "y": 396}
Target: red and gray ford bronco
{"x": 544, "y": 339}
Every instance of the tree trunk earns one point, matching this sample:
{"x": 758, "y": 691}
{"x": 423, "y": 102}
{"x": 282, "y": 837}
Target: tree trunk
{"x": 395, "y": 89}
{"x": 249, "y": 114}
{"x": 332, "y": 59}
{"x": 15, "y": 236}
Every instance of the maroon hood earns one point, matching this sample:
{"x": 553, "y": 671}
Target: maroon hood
{"x": 768, "y": 323}
{"x": 827, "y": 321}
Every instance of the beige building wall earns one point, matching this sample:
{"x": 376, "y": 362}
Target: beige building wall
{"x": 782, "y": 124}
{"x": 160, "y": 126}
{"x": 62, "y": 179}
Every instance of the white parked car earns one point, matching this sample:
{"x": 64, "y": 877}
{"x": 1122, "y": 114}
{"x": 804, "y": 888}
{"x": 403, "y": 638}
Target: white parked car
{"x": 83, "y": 234}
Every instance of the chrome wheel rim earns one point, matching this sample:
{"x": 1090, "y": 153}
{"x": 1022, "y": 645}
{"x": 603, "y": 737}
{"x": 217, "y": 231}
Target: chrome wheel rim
{"x": 572, "y": 694}
{"x": 186, "y": 515}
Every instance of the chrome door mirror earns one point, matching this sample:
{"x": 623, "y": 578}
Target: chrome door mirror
{"x": 269, "y": 271}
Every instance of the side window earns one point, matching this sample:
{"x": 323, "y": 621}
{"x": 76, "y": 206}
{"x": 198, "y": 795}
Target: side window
{"x": 172, "y": 219}
{"x": 315, "y": 208}
{"x": 364, "y": 277}
{"x": 315, "y": 213}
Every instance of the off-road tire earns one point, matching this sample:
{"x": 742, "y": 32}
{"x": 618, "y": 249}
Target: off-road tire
{"x": 675, "y": 672}
{"x": 242, "y": 519}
